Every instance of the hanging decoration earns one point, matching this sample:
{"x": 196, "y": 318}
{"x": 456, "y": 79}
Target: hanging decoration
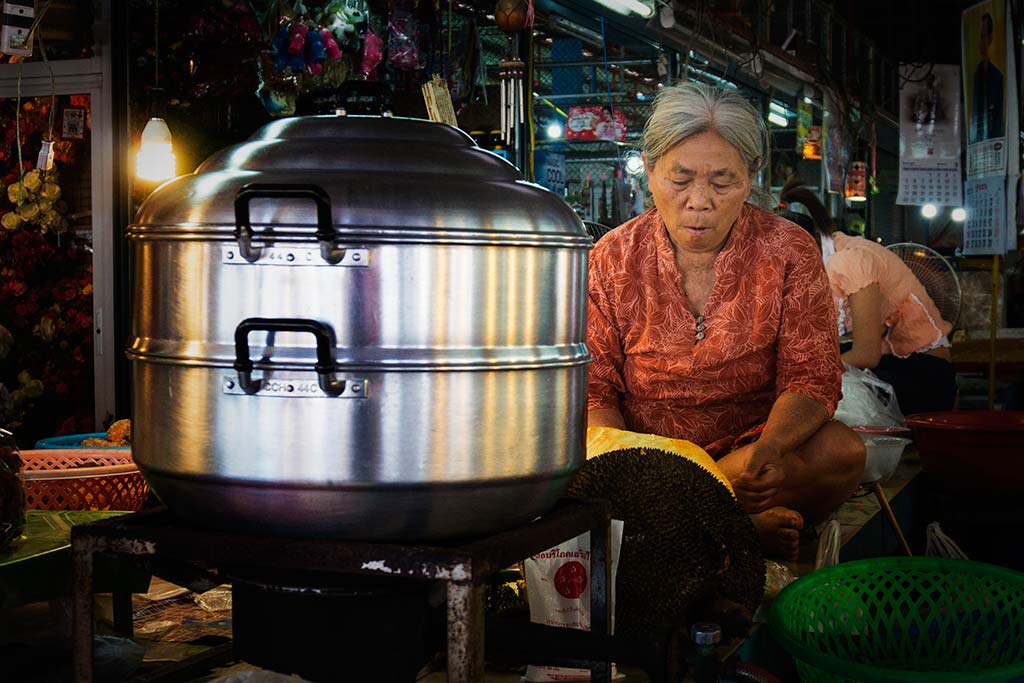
{"x": 223, "y": 42}
{"x": 812, "y": 145}
{"x": 313, "y": 51}
{"x": 856, "y": 182}
{"x": 404, "y": 52}
{"x": 36, "y": 201}
{"x": 512, "y": 16}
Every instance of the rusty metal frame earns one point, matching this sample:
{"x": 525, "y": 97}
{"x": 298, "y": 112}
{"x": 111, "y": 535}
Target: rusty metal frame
{"x": 157, "y": 534}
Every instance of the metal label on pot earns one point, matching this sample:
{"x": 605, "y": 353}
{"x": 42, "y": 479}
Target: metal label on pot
{"x": 294, "y": 387}
{"x": 295, "y": 256}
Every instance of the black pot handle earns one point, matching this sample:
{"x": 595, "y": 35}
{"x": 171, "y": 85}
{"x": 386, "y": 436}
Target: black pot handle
{"x": 379, "y": 91}
{"x": 326, "y": 235}
{"x": 325, "y": 365}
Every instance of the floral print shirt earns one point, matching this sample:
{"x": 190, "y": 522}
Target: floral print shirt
{"x": 769, "y": 328}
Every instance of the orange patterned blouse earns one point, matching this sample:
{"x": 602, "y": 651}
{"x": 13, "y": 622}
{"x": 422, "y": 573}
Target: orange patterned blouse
{"x": 770, "y": 328}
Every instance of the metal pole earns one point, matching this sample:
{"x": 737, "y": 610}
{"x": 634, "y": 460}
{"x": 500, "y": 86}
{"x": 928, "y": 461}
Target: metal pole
{"x": 591, "y": 62}
{"x": 465, "y": 632}
{"x": 581, "y": 95}
{"x": 993, "y": 327}
{"x": 82, "y": 609}
{"x": 600, "y": 591}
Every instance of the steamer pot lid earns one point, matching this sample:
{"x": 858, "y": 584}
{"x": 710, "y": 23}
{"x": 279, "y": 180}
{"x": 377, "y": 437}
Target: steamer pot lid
{"x": 386, "y": 177}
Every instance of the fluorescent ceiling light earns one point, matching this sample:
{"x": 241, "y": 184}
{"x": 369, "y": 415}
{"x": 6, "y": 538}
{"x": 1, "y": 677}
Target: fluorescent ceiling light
{"x": 775, "y": 106}
{"x": 575, "y": 30}
{"x": 777, "y": 119}
{"x": 628, "y": 6}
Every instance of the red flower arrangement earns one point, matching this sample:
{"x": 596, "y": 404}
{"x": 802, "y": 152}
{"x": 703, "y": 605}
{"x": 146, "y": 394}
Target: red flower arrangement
{"x": 46, "y": 373}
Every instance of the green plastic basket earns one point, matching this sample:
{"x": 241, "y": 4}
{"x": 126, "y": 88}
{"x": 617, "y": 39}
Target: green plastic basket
{"x": 904, "y": 619}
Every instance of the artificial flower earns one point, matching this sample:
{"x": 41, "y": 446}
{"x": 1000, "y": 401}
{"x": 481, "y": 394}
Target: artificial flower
{"x": 50, "y": 192}
{"x": 6, "y": 341}
{"x": 29, "y": 211}
{"x": 46, "y": 328}
{"x": 11, "y": 220}
{"x": 33, "y": 180}
{"x": 32, "y": 388}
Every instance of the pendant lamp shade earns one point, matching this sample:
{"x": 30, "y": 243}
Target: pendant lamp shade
{"x": 156, "y": 154}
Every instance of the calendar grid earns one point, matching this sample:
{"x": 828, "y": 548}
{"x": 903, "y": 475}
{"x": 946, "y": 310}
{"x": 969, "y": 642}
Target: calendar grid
{"x": 941, "y": 185}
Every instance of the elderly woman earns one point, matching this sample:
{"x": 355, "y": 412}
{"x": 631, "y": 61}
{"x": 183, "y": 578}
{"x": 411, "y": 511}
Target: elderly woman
{"x": 711, "y": 320}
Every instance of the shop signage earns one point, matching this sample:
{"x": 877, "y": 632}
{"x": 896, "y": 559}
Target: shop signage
{"x": 549, "y": 170}
{"x": 595, "y": 123}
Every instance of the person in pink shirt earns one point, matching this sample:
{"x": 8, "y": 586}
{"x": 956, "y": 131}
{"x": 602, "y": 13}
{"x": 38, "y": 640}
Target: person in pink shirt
{"x": 896, "y": 329}
{"x": 711, "y": 320}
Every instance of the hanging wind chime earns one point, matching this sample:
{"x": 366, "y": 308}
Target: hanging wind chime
{"x": 512, "y": 16}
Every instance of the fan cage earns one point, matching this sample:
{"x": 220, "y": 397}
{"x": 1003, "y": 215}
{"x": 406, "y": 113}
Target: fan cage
{"x": 935, "y": 274}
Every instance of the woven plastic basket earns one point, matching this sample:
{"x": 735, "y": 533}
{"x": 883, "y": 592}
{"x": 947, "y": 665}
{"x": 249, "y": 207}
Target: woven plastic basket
{"x": 82, "y": 479}
{"x": 73, "y": 441}
{"x": 904, "y": 619}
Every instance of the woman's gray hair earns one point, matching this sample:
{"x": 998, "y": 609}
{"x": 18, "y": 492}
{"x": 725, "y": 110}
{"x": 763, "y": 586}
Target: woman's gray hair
{"x": 691, "y": 108}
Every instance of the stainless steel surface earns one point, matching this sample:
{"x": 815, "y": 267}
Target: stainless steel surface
{"x": 450, "y": 291}
{"x": 425, "y": 427}
{"x": 415, "y": 305}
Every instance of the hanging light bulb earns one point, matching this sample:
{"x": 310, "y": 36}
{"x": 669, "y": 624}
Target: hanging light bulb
{"x": 633, "y": 162}
{"x": 156, "y": 153}
{"x": 155, "y": 161}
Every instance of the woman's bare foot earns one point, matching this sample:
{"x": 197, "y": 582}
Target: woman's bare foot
{"x": 779, "y": 529}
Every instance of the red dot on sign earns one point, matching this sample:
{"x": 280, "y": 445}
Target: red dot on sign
{"x": 571, "y": 580}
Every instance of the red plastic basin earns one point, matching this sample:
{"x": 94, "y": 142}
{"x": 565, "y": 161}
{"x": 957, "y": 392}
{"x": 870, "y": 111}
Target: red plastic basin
{"x": 972, "y": 451}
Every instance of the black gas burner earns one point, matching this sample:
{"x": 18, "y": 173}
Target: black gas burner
{"x": 309, "y": 573}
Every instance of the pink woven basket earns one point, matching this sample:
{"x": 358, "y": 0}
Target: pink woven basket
{"x": 82, "y": 479}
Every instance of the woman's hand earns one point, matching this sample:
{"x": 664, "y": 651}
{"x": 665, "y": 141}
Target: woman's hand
{"x": 760, "y": 476}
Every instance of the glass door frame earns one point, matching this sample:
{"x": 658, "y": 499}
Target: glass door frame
{"x": 88, "y": 77}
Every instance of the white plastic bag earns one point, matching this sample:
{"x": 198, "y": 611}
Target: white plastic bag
{"x": 830, "y": 542}
{"x": 558, "y": 589}
{"x": 938, "y": 544}
{"x": 867, "y": 400}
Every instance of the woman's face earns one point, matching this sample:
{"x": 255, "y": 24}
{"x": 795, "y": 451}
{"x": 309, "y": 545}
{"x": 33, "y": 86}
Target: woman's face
{"x": 699, "y": 187}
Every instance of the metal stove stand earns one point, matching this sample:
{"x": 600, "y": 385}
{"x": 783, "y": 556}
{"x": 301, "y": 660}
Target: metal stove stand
{"x": 159, "y": 535}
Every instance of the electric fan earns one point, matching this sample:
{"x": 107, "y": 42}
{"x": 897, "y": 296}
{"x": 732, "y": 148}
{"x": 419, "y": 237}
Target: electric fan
{"x": 596, "y": 230}
{"x": 936, "y": 275}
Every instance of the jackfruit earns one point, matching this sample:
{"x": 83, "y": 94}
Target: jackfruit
{"x": 604, "y": 439}
{"x": 685, "y": 540}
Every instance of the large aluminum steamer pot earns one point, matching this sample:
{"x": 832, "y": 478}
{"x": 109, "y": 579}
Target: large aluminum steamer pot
{"x": 358, "y": 327}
